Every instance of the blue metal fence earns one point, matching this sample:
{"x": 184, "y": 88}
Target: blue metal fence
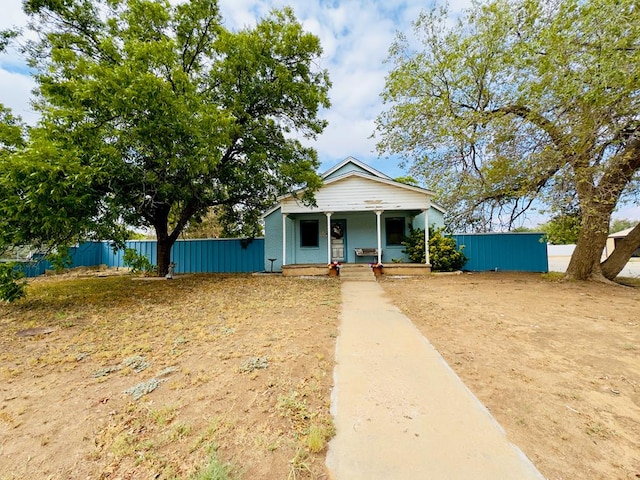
{"x": 234, "y": 255}
{"x": 85, "y": 255}
{"x": 524, "y": 252}
{"x": 519, "y": 252}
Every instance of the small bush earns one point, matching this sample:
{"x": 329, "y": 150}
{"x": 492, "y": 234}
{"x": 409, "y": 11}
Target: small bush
{"x": 138, "y": 263}
{"x": 444, "y": 255}
{"x": 60, "y": 259}
{"x": 214, "y": 470}
{"x": 12, "y": 287}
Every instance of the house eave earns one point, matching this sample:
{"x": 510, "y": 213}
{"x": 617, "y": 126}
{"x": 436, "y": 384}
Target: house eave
{"x": 295, "y": 208}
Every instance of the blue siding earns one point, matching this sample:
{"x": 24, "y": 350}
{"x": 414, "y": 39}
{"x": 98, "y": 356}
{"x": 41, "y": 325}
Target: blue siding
{"x": 273, "y": 240}
{"x": 518, "y": 252}
{"x": 436, "y": 219}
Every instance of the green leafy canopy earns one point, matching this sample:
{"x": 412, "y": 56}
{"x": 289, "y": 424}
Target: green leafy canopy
{"x": 521, "y": 103}
{"x": 152, "y": 113}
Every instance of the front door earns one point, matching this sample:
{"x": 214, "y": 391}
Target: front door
{"x": 338, "y": 240}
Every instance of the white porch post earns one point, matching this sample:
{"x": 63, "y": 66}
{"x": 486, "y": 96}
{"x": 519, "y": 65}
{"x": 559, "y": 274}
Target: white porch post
{"x": 284, "y": 239}
{"x": 426, "y": 237}
{"x": 328, "y": 214}
{"x": 379, "y": 232}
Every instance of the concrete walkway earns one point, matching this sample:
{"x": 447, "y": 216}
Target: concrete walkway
{"x": 400, "y": 412}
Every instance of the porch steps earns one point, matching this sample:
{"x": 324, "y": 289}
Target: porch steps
{"x": 357, "y": 273}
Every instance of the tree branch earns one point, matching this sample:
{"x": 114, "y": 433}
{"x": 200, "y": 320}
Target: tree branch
{"x": 557, "y": 137}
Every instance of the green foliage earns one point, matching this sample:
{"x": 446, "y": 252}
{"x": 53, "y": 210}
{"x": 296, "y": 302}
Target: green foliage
{"x": 60, "y": 259}
{"x": 525, "y": 230}
{"x": 517, "y": 104}
{"x": 214, "y": 470}
{"x": 152, "y": 113}
{"x": 619, "y": 224}
{"x": 137, "y": 262}
{"x": 11, "y": 132}
{"x": 6, "y": 36}
{"x": 12, "y": 288}
{"x": 209, "y": 225}
{"x": 562, "y": 229}
{"x": 50, "y": 198}
{"x": 407, "y": 180}
{"x": 444, "y": 254}
{"x": 414, "y": 246}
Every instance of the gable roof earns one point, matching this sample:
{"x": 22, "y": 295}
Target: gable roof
{"x": 349, "y": 170}
{"x": 357, "y": 163}
{"x": 622, "y": 233}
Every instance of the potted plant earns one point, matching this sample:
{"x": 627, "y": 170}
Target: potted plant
{"x": 334, "y": 269}
{"x": 377, "y": 268}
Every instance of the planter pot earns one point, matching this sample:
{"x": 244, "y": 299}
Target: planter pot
{"x": 377, "y": 271}
{"x": 334, "y": 272}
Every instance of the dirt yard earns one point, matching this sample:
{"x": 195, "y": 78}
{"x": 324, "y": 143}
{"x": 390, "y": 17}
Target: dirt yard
{"x": 557, "y": 364}
{"x": 238, "y": 370}
{"x": 235, "y": 368}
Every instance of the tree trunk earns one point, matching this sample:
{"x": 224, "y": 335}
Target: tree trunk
{"x": 164, "y": 240}
{"x": 613, "y": 265}
{"x": 585, "y": 261}
{"x": 163, "y": 256}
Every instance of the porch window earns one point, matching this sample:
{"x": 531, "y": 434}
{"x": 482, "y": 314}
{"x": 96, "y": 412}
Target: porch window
{"x": 309, "y": 233}
{"x": 394, "y": 230}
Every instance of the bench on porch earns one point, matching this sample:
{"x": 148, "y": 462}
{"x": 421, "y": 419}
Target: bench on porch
{"x": 367, "y": 252}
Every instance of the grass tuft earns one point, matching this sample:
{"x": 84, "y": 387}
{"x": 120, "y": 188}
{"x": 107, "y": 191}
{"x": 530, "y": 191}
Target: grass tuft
{"x": 214, "y": 470}
{"x": 316, "y": 439}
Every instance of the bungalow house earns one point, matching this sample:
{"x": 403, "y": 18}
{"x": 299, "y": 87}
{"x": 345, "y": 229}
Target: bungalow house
{"x": 361, "y": 216}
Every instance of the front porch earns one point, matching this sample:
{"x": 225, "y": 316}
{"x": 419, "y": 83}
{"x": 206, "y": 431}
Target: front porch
{"x": 359, "y": 237}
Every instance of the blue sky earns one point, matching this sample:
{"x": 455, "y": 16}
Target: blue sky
{"x": 355, "y": 36}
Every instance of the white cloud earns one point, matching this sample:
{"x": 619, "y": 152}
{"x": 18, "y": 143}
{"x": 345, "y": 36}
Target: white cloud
{"x": 16, "y": 92}
{"x": 12, "y": 14}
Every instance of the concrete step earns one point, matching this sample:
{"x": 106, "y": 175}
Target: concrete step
{"x": 357, "y": 273}
{"x": 352, "y": 276}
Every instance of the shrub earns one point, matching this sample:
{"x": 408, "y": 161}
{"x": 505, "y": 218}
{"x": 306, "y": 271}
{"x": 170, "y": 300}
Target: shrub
{"x": 60, "y": 259}
{"x": 444, "y": 255}
{"x": 12, "y": 288}
{"x": 138, "y": 263}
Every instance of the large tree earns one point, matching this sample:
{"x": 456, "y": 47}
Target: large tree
{"x": 152, "y": 113}
{"x": 523, "y": 103}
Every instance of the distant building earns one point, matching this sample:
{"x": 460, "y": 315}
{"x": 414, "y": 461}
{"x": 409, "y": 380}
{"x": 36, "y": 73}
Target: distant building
{"x": 615, "y": 238}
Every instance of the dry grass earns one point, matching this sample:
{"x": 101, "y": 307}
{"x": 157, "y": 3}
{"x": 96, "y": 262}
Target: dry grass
{"x": 557, "y": 363}
{"x": 182, "y": 345}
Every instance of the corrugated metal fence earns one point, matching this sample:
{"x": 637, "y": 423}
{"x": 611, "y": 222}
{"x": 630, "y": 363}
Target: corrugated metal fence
{"x": 523, "y": 252}
{"x": 234, "y": 255}
{"x": 520, "y": 252}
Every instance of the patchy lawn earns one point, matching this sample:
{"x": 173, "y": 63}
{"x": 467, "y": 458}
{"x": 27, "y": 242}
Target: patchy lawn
{"x": 237, "y": 370}
{"x": 557, "y": 364}
{"x": 167, "y": 379}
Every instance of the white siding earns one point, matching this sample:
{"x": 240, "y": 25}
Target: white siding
{"x": 356, "y": 193}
